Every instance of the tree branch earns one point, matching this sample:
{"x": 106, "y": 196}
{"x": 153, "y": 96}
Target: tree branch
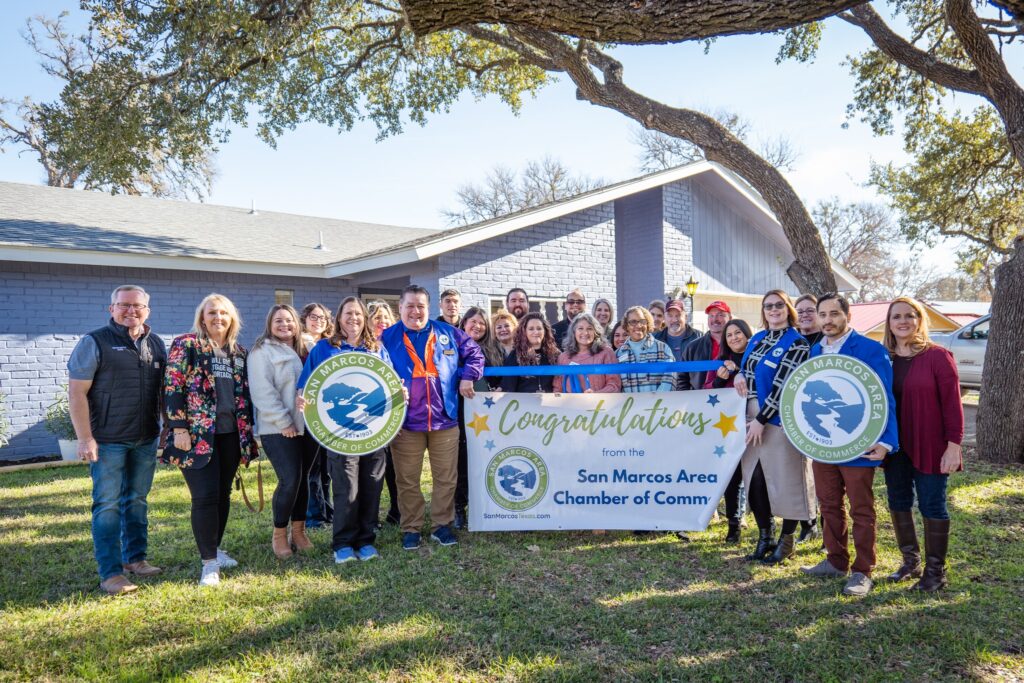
{"x": 898, "y": 49}
{"x": 624, "y": 21}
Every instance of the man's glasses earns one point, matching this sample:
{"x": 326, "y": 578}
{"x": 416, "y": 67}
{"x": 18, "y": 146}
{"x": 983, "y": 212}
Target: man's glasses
{"x": 778, "y": 306}
{"x": 131, "y": 307}
{"x": 576, "y": 302}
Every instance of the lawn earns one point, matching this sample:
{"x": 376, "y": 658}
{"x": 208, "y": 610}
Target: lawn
{"x": 511, "y": 606}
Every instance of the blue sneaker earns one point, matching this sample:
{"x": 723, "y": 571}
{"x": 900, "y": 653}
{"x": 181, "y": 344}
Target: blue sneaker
{"x": 343, "y": 555}
{"x": 444, "y": 536}
{"x": 410, "y": 540}
{"x": 367, "y": 552}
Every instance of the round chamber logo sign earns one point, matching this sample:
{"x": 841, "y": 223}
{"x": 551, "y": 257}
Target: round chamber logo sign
{"x": 517, "y": 478}
{"x": 354, "y": 403}
{"x": 834, "y": 408}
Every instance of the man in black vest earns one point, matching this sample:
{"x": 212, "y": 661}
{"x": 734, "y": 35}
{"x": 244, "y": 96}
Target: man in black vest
{"x": 116, "y": 374}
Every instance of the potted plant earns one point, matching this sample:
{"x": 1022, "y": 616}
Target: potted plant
{"x": 58, "y": 423}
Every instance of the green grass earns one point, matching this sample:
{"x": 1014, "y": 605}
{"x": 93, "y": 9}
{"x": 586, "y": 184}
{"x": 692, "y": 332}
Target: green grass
{"x": 509, "y": 607}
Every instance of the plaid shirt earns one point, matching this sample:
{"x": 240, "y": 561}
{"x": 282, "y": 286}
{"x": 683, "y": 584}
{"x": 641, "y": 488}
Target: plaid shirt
{"x": 651, "y": 351}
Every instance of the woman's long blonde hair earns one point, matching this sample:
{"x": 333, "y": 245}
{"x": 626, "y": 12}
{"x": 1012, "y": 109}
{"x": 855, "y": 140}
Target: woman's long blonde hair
{"x": 920, "y": 341}
{"x": 199, "y": 327}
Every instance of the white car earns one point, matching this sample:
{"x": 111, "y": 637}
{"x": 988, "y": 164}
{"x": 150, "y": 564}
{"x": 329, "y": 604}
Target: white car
{"x": 968, "y": 346}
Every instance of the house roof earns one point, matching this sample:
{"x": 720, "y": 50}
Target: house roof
{"x": 867, "y": 317}
{"x": 47, "y": 224}
{"x": 111, "y": 228}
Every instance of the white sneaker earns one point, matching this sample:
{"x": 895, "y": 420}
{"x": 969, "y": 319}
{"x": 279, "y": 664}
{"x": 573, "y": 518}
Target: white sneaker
{"x": 225, "y": 561}
{"x": 210, "y": 575}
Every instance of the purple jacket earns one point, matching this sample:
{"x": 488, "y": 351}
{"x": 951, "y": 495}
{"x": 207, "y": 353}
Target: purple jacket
{"x": 434, "y": 400}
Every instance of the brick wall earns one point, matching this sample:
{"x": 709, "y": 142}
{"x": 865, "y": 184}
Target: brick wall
{"x": 44, "y": 308}
{"x": 547, "y": 260}
{"x": 678, "y": 230}
{"x": 639, "y": 245}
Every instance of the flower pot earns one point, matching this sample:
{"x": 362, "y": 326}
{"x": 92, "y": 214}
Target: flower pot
{"x": 68, "y": 449}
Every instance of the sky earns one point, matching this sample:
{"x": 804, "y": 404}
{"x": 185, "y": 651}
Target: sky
{"x": 411, "y": 178}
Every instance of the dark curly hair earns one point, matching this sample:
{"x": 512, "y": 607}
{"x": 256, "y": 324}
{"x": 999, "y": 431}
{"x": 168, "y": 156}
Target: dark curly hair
{"x": 548, "y": 348}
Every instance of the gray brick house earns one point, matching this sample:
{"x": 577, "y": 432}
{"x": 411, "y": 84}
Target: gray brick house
{"x": 63, "y": 251}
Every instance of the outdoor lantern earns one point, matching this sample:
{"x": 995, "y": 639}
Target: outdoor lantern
{"x": 691, "y": 287}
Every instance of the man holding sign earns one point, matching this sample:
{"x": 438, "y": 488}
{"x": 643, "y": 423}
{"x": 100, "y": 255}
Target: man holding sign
{"x": 436, "y": 362}
{"x": 870, "y": 389}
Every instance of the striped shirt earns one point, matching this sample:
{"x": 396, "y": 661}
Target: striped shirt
{"x": 797, "y": 353}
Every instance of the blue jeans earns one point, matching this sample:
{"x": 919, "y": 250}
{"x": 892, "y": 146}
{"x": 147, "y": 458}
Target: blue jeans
{"x": 901, "y": 480}
{"x": 121, "y": 479}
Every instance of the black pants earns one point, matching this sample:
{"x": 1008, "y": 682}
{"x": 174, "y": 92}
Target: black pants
{"x": 734, "y": 496}
{"x": 291, "y": 461}
{"x": 357, "y": 484}
{"x": 761, "y": 505}
{"x": 319, "y": 507}
{"x": 210, "y": 488}
{"x": 389, "y": 479}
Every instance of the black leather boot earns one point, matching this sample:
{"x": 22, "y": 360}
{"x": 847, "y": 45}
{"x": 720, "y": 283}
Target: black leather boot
{"x": 936, "y": 542}
{"x": 765, "y": 544}
{"x": 906, "y": 539}
{"x": 734, "y": 531}
{"x": 784, "y": 549}
{"x": 808, "y": 531}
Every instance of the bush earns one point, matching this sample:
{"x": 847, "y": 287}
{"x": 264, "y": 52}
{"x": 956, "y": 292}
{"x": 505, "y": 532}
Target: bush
{"x": 5, "y": 425}
{"x": 58, "y": 416}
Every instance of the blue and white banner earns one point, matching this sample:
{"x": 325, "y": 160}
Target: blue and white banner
{"x": 601, "y": 461}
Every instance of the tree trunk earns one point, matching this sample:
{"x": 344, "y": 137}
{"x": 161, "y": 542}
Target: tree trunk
{"x": 1001, "y": 411}
{"x": 623, "y": 21}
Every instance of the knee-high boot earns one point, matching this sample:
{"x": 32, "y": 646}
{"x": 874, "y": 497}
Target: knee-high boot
{"x": 906, "y": 539}
{"x": 936, "y": 543}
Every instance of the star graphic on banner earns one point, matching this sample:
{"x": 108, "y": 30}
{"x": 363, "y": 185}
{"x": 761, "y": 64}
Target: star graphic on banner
{"x": 713, "y": 399}
{"x": 489, "y": 445}
{"x": 719, "y": 451}
{"x": 489, "y": 402}
{"x": 479, "y": 423}
{"x": 726, "y": 423}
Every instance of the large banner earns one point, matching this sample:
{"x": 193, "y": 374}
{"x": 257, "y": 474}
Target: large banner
{"x": 601, "y": 461}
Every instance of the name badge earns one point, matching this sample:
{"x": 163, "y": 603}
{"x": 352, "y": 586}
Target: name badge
{"x": 771, "y": 364}
{"x": 449, "y": 352}
{"x": 119, "y": 348}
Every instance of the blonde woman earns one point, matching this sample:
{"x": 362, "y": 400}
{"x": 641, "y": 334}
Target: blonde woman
{"x": 931, "y": 426}
{"x": 274, "y": 366}
{"x": 209, "y": 412}
{"x": 504, "y": 325}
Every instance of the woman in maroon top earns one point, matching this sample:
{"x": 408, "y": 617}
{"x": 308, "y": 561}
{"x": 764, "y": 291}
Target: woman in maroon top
{"x": 931, "y": 424}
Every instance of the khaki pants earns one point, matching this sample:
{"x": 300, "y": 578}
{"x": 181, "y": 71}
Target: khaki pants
{"x": 407, "y": 453}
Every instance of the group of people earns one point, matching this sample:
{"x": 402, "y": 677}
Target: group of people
{"x": 216, "y": 403}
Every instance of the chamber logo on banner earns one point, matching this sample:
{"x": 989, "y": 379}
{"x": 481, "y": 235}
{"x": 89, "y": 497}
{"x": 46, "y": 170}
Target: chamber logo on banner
{"x": 354, "y": 403}
{"x": 834, "y": 408}
{"x": 517, "y": 478}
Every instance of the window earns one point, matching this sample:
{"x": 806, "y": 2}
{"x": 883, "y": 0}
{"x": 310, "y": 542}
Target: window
{"x": 284, "y": 296}
{"x": 390, "y": 297}
{"x": 551, "y": 308}
{"x": 980, "y": 331}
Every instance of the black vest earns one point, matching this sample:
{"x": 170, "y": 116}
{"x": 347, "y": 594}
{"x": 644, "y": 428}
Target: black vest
{"x": 124, "y": 399}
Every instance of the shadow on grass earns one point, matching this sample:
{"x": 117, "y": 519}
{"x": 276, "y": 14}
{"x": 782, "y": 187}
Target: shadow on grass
{"x": 528, "y": 606}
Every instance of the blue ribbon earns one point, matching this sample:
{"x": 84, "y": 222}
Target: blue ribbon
{"x": 606, "y": 369}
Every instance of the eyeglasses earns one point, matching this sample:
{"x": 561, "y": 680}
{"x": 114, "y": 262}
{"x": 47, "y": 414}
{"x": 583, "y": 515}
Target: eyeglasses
{"x": 778, "y": 306}
{"x": 576, "y": 302}
{"x": 131, "y": 307}
{"x": 316, "y": 318}
{"x": 805, "y": 312}
{"x": 636, "y": 323}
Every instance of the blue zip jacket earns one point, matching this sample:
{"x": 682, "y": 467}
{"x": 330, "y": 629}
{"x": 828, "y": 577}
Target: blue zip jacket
{"x": 874, "y": 354}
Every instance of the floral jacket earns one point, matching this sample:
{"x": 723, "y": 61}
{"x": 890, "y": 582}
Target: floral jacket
{"x": 190, "y": 401}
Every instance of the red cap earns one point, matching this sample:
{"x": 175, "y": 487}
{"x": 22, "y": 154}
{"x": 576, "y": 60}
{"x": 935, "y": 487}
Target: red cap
{"x": 676, "y": 304}
{"x": 718, "y": 304}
